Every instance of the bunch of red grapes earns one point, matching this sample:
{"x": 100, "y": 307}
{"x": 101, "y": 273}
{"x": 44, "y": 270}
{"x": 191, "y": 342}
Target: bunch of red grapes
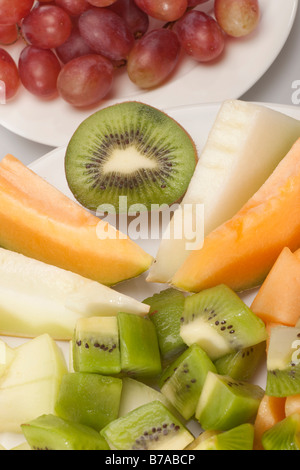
{"x": 73, "y": 47}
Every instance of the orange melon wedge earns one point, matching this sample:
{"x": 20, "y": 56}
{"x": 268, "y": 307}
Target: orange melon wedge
{"x": 40, "y": 222}
{"x": 278, "y": 299}
{"x": 241, "y": 251}
{"x": 270, "y": 412}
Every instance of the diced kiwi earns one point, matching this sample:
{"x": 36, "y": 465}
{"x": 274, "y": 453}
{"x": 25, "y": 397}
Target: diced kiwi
{"x": 89, "y": 399}
{"x": 220, "y": 322}
{"x": 283, "y": 362}
{"x": 136, "y": 393}
{"x": 183, "y": 380}
{"x": 226, "y": 403}
{"x": 150, "y": 427}
{"x": 50, "y": 432}
{"x": 96, "y": 346}
{"x": 129, "y": 149}
{"x": 140, "y": 355}
{"x": 166, "y": 309}
{"x": 238, "y": 438}
{"x": 243, "y": 364}
{"x": 284, "y": 435}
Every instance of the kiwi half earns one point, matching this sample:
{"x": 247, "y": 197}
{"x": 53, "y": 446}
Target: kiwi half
{"x": 129, "y": 149}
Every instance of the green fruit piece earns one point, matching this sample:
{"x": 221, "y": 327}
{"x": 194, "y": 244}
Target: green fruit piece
{"x": 49, "y": 432}
{"x": 140, "y": 356}
{"x": 89, "y": 399}
{"x": 284, "y": 435}
{"x": 239, "y": 438}
{"x": 220, "y": 322}
{"x": 243, "y": 364}
{"x": 136, "y": 394}
{"x": 129, "y": 149}
{"x": 150, "y": 427}
{"x": 283, "y": 364}
{"x": 96, "y": 346}
{"x": 166, "y": 309}
{"x": 226, "y": 403}
{"x": 183, "y": 380}
{"x": 31, "y": 383}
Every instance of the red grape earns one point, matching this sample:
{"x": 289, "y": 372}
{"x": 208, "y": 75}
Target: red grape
{"x": 200, "y": 35}
{"x": 73, "y": 7}
{"x": 9, "y": 33}
{"x": 153, "y": 58}
{"x": 237, "y": 17}
{"x": 165, "y": 10}
{"x": 47, "y": 26}
{"x": 136, "y": 19}
{"x": 74, "y": 46}
{"x": 194, "y": 3}
{"x": 12, "y": 11}
{"x": 106, "y": 33}
{"x": 9, "y": 74}
{"x": 101, "y": 3}
{"x": 84, "y": 81}
{"x": 39, "y": 69}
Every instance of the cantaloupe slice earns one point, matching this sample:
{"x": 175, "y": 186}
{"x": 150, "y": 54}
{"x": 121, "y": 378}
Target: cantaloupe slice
{"x": 242, "y": 251}
{"x": 278, "y": 299}
{"x": 292, "y": 405}
{"x": 246, "y": 143}
{"x": 270, "y": 412}
{"x": 40, "y": 222}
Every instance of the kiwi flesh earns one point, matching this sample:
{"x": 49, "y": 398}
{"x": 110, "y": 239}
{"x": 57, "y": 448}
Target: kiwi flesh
{"x": 243, "y": 364}
{"x": 238, "y": 438}
{"x": 129, "y": 149}
{"x": 220, "y": 322}
{"x": 140, "y": 355}
{"x": 283, "y": 362}
{"x": 226, "y": 403}
{"x": 50, "y": 432}
{"x": 96, "y": 346}
{"x": 284, "y": 435}
{"x": 89, "y": 399}
{"x": 150, "y": 427}
{"x": 183, "y": 380}
{"x": 166, "y": 308}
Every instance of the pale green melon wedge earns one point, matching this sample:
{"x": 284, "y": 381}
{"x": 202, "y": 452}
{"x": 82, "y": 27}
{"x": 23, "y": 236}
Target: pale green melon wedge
{"x": 246, "y": 143}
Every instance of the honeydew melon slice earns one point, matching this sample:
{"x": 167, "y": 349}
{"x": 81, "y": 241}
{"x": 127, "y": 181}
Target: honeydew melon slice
{"x": 246, "y": 143}
{"x": 37, "y": 298}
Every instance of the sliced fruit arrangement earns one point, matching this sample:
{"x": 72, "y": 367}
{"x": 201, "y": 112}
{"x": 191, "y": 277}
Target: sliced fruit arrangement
{"x": 242, "y": 251}
{"x": 40, "y": 222}
{"x": 238, "y": 438}
{"x": 129, "y": 150}
{"x": 246, "y": 143}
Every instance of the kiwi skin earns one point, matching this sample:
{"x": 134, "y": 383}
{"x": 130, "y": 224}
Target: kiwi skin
{"x": 172, "y": 150}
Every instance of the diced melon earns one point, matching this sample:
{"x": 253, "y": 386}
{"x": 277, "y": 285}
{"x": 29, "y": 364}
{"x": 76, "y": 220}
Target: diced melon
{"x": 7, "y": 355}
{"x": 37, "y": 298}
{"x": 278, "y": 299}
{"x": 270, "y": 412}
{"x": 292, "y": 405}
{"x": 241, "y": 252}
{"x": 40, "y": 222}
{"x": 246, "y": 143}
{"x": 31, "y": 384}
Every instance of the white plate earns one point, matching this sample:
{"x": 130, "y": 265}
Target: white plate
{"x": 197, "y": 120}
{"x": 244, "y": 62}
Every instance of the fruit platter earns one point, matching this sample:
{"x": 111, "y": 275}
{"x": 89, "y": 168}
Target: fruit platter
{"x": 113, "y": 341}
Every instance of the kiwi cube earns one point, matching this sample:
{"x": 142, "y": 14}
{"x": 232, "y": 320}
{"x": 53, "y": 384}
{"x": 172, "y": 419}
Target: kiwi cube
{"x": 89, "y": 399}
{"x": 283, "y": 364}
{"x": 226, "y": 403}
{"x": 50, "y": 432}
{"x": 284, "y": 435}
{"x": 183, "y": 380}
{"x": 166, "y": 309}
{"x": 150, "y": 427}
{"x": 243, "y": 364}
{"x": 96, "y": 346}
{"x": 220, "y": 322}
{"x": 238, "y": 438}
{"x": 140, "y": 355}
